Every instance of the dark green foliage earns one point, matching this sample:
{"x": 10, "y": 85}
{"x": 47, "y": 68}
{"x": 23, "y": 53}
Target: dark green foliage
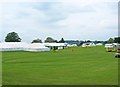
{"x": 111, "y": 40}
{"x": 117, "y": 39}
{"x": 72, "y": 41}
{"x": 98, "y": 41}
{"x": 50, "y": 40}
{"x": 12, "y": 37}
{"x": 37, "y": 41}
{"x": 104, "y": 42}
{"x": 88, "y": 41}
{"x": 62, "y": 40}
{"x": 81, "y": 42}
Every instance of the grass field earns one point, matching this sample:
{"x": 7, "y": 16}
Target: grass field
{"x": 71, "y": 66}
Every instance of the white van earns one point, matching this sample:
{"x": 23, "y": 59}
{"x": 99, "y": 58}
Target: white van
{"x": 109, "y": 47}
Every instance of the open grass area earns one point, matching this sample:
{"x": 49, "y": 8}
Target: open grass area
{"x": 71, "y": 66}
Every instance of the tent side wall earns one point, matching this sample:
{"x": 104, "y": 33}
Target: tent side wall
{"x": 37, "y": 49}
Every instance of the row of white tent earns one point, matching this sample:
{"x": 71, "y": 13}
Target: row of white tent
{"x": 100, "y": 44}
{"x": 91, "y": 44}
{"x": 22, "y": 46}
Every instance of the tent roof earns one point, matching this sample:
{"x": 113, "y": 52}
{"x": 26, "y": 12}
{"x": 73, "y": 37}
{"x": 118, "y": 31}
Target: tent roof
{"x": 36, "y": 45}
{"x": 55, "y": 44}
{"x": 26, "y": 45}
{"x": 12, "y": 44}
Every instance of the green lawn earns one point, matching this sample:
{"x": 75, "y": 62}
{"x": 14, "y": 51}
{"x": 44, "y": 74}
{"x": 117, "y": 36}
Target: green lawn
{"x": 71, "y": 66}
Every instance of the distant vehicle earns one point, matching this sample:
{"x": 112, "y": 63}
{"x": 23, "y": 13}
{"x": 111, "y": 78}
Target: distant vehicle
{"x": 109, "y": 47}
{"x": 117, "y": 55}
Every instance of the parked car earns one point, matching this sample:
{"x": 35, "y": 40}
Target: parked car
{"x": 109, "y": 47}
{"x": 117, "y": 55}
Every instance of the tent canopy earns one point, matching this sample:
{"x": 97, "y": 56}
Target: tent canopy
{"x": 14, "y": 46}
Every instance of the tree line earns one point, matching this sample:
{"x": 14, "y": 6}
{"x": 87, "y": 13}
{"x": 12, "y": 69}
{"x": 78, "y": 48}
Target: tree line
{"x": 14, "y": 37}
{"x": 114, "y": 40}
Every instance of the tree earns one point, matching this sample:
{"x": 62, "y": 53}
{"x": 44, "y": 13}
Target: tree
{"x": 12, "y": 37}
{"x": 81, "y": 42}
{"x": 111, "y": 40}
{"x": 37, "y": 41}
{"x": 50, "y": 40}
{"x": 98, "y": 42}
{"x": 62, "y": 40}
{"x": 88, "y": 41}
{"x": 117, "y": 39}
{"x": 105, "y": 42}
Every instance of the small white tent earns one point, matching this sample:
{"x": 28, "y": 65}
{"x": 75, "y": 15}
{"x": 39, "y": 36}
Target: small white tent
{"x": 84, "y": 45}
{"x": 58, "y": 45}
{"x": 99, "y": 44}
{"x": 88, "y": 45}
{"x": 72, "y": 45}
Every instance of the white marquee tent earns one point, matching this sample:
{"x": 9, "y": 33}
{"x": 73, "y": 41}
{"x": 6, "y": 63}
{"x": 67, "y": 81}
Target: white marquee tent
{"x": 17, "y": 46}
{"x": 59, "y": 45}
{"x": 36, "y": 47}
{"x": 12, "y": 46}
{"x": 55, "y": 44}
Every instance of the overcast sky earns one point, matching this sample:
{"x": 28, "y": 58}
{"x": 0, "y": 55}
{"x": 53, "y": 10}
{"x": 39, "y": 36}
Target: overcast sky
{"x": 70, "y": 19}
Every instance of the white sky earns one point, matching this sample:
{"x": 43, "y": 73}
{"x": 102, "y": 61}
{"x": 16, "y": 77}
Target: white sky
{"x": 70, "y": 19}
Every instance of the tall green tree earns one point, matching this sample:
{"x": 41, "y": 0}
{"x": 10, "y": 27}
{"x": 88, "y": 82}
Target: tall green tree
{"x": 50, "y": 40}
{"x": 12, "y": 37}
{"x": 117, "y": 39}
{"x": 81, "y": 42}
{"x": 62, "y": 40}
{"x": 88, "y": 41}
{"x": 37, "y": 41}
{"x": 111, "y": 40}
